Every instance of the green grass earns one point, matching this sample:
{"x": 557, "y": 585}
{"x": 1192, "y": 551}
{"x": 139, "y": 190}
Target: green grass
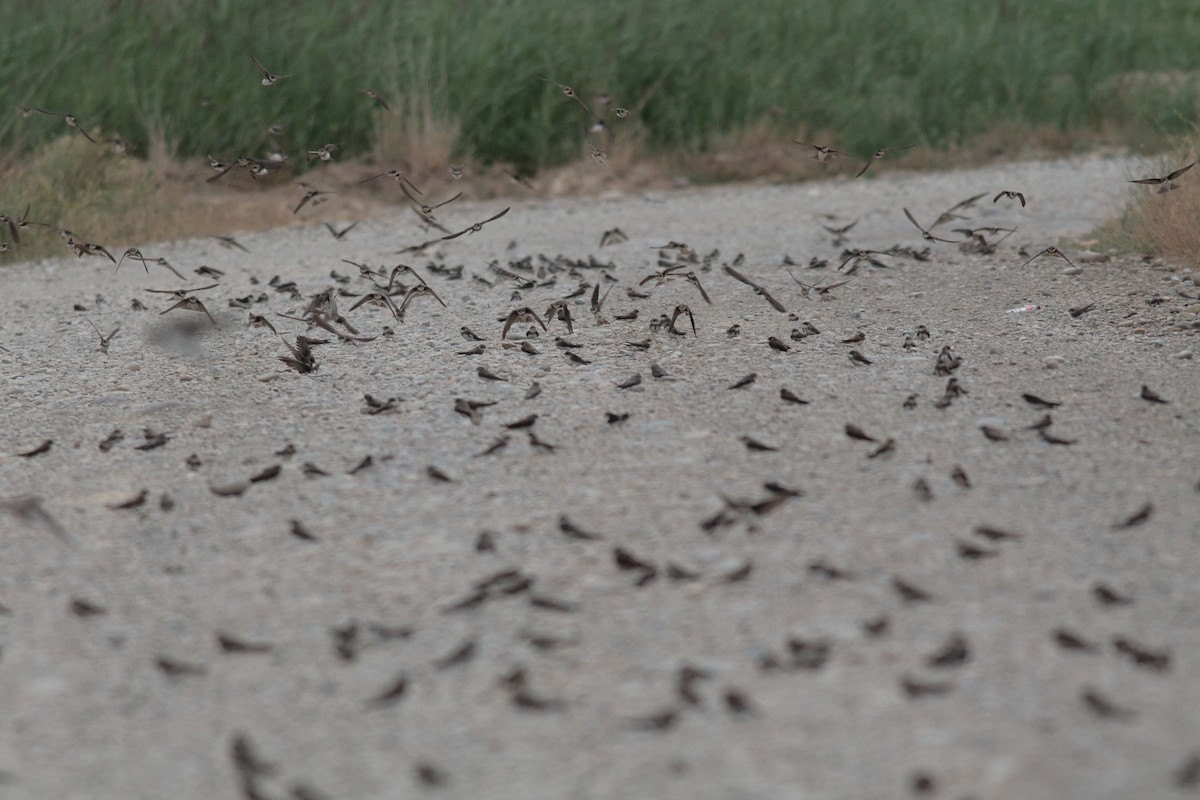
{"x": 863, "y": 73}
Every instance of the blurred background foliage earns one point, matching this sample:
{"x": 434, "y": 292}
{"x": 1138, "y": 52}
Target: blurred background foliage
{"x": 862, "y": 73}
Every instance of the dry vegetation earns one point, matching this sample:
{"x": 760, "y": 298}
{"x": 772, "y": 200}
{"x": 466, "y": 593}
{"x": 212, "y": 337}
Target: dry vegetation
{"x": 1160, "y": 223}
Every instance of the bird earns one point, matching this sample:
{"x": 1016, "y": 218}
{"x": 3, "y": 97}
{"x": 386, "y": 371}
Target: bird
{"x": 380, "y": 299}
{"x": 325, "y": 152}
{"x": 839, "y": 234}
{"x": 104, "y": 340}
{"x": 339, "y": 235}
{"x": 822, "y": 291}
{"x": 70, "y": 119}
{"x": 81, "y": 249}
{"x": 676, "y": 313}
{"x": 523, "y": 315}
{"x": 395, "y": 175}
{"x": 478, "y": 226}
{"x": 192, "y": 304}
{"x": 820, "y": 153}
{"x": 425, "y": 210}
{"x": 597, "y": 122}
{"x": 926, "y": 235}
{"x": 268, "y": 78}
{"x": 311, "y": 195}
{"x": 1167, "y": 182}
{"x": 416, "y": 291}
{"x": 1011, "y": 195}
{"x": 880, "y": 153}
{"x": 374, "y": 95}
{"x": 733, "y": 273}
{"x": 1053, "y": 252}
{"x": 135, "y": 254}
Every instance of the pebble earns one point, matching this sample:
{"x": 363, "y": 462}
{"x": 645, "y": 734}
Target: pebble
{"x": 233, "y": 489}
{"x": 134, "y": 367}
{"x": 1054, "y": 362}
{"x": 1186, "y": 353}
{"x": 1071, "y": 271}
{"x": 205, "y": 421}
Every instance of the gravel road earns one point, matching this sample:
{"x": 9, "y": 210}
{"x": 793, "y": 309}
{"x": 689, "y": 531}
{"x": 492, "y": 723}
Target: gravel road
{"x": 226, "y": 579}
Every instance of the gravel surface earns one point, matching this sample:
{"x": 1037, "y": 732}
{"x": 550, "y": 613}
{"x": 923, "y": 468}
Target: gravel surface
{"x": 295, "y": 607}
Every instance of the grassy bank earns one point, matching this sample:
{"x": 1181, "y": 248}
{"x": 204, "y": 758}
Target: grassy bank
{"x": 856, "y": 72}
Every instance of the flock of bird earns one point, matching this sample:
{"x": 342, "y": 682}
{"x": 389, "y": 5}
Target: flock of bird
{"x": 400, "y": 290}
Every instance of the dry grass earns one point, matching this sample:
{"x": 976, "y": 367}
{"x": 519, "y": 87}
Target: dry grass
{"x": 1159, "y": 224}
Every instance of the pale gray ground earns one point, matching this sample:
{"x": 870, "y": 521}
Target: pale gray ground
{"x": 87, "y": 713}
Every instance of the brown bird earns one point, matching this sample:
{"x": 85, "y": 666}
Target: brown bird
{"x": 478, "y": 226}
{"x": 192, "y": 304}
{"x": 395, "y": 175}
{"x": 820, "y": 153}
{"x": 853, "y": 257}
{"x": 1168, "y": 180}
{"x": 380, "y": 299}
{"x": 179, "y": 294}
{"x": 419, "y": 289}
{"x": 880, "y": 153}
{"x": 374, "y": 95}
{"x": 339, "y": 235}
{"x": 1011, "y": 196}
{"x": 1052, "y": 251}
{"x": 425, "y": 210}
{"x": 523, "y": 315}
{"x": 597, "y": 122}
{"x": 613, "y": 236}
{"x": 675, "y": 314}
{"x": 311, "y": 195}
{"x": 733, "y": 273}
{"x": 70, "y": 119}
{"x": 672, "y": 272}
{"x": 104, "y": 340}
{"x": 81, "y": 249}
{"x": 926, "y": 235}
{"x": 268, "y": 78}
{"x": 325, "y": 152}
{"x": 136, "y": 254}
{"x": 822, "y": 291}
{"x": 230, "y": 243}
{"x": 859, "y": 358}
{"x": 962, "y": 205}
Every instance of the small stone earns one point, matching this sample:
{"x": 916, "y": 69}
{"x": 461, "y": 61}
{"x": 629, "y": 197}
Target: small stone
{"x": 134, "y": 367}
{"x": 1053, "y": 362}
{"x": 1188, "y": 353}
{"x": 205, "y": 421}
{"x": 232, "y": 489}
{"x": 1071, "y": 271}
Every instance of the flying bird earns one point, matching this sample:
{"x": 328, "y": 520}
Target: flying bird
{"x": 1168, "y": 179}
{"x": 478, "y": 226}
{"x": 880, "y": 153}
{"x": 268, "y": 78}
